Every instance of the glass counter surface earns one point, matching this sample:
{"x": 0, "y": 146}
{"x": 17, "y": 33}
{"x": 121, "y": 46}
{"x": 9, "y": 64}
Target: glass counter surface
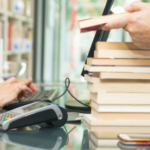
{"x": 70, "y": 136}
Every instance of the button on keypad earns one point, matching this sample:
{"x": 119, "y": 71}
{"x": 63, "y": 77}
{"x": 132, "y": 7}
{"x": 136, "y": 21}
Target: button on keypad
{"x": 7, "y": 116}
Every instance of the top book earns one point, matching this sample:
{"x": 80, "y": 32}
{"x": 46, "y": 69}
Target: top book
{"x": 92, "y": 24}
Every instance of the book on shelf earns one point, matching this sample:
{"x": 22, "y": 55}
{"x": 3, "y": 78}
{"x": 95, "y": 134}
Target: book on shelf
{"x": 19, "y": 37}
{"x": 95, "y": 84}
{"x": 2, "y": 26}
{"x": 120, "y": 115}
{"x": 120, "y": 98}
{"x": 27, "y": 39}
{"x": 125, "y": 75}
{"x": 117, "y": 69}
{"x": 28, "y": 7}
{"x": 92, "y": 121}
{"x": 117, "y": 62}
{"x": 9, "y": 36}
{"x": 103, "y": 142}
{"x": 3, "y": 5}
{"x": 21, "y": 7}
{"x": 16, "y": 37}
{"x": 92, "y": 24}
{"x": 107, "y": 132}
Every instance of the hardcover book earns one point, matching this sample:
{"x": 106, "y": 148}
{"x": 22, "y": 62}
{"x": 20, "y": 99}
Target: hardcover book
{"x": 117, "y": 69}
{"x": 120, "y": 98}
{"x": 122, "y": 62}
{"x": 92, "y": 24}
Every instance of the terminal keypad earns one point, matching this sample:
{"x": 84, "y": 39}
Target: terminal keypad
{"x": 7, "y": 116}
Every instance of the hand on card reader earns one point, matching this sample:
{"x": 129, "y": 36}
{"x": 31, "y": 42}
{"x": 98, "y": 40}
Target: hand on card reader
{"x": 34, "y": 113}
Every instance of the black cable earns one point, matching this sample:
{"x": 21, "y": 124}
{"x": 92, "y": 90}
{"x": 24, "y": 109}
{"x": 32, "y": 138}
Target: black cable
{"x": 68, "y": 133}
{"x": 67, "y": 84}
{"x": 72, "y": 130}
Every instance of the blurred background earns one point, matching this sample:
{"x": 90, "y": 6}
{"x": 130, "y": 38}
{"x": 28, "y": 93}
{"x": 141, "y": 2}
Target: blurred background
{"x": 44, "y": 36}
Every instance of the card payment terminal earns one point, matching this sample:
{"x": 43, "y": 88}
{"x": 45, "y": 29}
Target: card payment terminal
{"x": 34, "y": 113}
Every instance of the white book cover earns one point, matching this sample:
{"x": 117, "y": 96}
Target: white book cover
{"x": 121, "y": 108}
{"x": 120, "y": 98}
{"x": 121, "y": 53}
{"x": 117, "y": 69}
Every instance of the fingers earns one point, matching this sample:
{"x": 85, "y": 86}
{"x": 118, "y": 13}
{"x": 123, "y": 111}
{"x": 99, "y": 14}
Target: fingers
{"x": 136, "y": 6}
{"x": 29, "y": 83}
{"x": 11, "y": 80}
{"x": 12, "y": 91}
{"x": 21, "y": 87}
{"x": 116, "y": 24}
{"x": 33, "y": 87}
{"x": 26, "y": 81}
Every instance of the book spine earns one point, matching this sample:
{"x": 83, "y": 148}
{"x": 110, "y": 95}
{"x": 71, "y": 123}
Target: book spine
{"x": 9, "y": 36}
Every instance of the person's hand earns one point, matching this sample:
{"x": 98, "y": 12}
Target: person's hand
{"x": 137, "y": 24}
{"x": 27, "y": 82}
{"x": 9, "y": 92}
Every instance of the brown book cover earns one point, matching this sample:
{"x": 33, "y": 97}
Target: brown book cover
{"x": 105, "y": 132}
{"x": 116, "y": 46}
{"x": 143, "y": 54}
{"x": 92, "y": 121}
{"x": 95, "y": 84}
{"x": 117, "y": 62}
{"x": 92, "y": 24}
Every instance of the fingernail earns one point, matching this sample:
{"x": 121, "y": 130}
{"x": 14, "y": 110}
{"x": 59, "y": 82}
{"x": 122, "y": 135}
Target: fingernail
{"x": 30, "y": 78}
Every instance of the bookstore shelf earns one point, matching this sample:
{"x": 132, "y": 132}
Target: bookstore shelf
{"x": 16, "y": 29}
{"x": 16, "y": 53}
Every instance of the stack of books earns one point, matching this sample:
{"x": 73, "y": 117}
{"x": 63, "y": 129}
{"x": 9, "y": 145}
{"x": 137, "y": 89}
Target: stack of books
{"x": 105, "y": 137}
{"x": 119, "y": 85}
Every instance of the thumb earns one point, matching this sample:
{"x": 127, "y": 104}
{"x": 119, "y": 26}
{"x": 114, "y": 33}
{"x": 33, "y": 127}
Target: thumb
{"x": 136, "y": 6}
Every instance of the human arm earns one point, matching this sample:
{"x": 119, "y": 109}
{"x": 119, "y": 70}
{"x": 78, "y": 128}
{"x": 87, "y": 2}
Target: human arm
{"x": 137, "y": 24}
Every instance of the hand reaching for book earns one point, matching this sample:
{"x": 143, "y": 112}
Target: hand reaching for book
{"x": 137, "y": 24}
